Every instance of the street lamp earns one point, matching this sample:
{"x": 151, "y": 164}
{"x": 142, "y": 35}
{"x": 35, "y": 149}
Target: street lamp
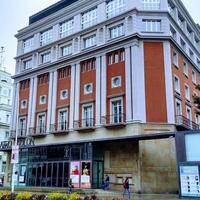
{"x": 15, "y": 147}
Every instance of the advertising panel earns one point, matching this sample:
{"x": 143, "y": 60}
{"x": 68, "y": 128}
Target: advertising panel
{"x": 189, "y": 180}
{"x": 75, "y": 173}
{"x": 85, "y": 177}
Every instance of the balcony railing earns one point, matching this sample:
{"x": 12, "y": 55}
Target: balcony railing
{"x": 186, "y": 123}
{"x": 20, "y": 133}
{"x": 38, "y": 130}
{"x": 59, "y": 127}
{"x": 115, "y": 119}
{"x": 84, "y": 124}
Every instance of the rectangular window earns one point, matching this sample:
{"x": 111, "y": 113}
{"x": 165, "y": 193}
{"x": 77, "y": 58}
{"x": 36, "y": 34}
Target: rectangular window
{"x": 88, "y": 118}
{"x": 66, "y": 50}
{"x": 175, "y": 58}
{"x": 171, "y": 10}
{"x": 185, "y": 68}
{"x": 89, "y": 18}
{"x": 93, "y": 64}
{"x": 27, "y": 64}
{"x": 194, "y": 77}
{"x": 46, "y": 37}
{"x": 114, "y": 7}
{"x": 110, "y": 59}
{"x": 151, "y": 4}
{"x": 172, "y": 33}
{"x": 7, "y": 135}
{"x": 46, "y": 57}
{"x": 180, "y": 22}
{"x": 62, "y": 124}
{"x": 183, "y": 45}
{"x": 122, "y": 55}
{"x": 177, "y": 84}
{"x": 187, "y": 92}
{"x": 3, "y": 167}
{"x": 116, "y": 31}
{"x": 28, "y": 44}
{"x": 66, "y": 28}
{"x": 116, "y": 116}
{"x": 22, "y": 126}
{"x": 41, "y": 124}
{"x": 116, "y": 57}
{"x": 90, "y": 41}
{"x": 151, "y": 25}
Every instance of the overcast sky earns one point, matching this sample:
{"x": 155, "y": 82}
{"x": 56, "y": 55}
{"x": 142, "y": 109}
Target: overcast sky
{"x": 14, "y": 15}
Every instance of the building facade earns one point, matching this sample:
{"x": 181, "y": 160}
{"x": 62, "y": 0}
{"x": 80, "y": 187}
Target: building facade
{"x": 6, "y": 89}
{"x": 104, "y": 84}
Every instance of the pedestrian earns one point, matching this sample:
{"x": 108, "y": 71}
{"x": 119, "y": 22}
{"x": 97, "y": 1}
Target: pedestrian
{"x": 106, "y": 182}
{"x": 70, "y": 186}
{"x": 126, "y": 188}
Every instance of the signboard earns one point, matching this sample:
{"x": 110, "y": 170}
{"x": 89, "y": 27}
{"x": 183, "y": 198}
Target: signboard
{"x": 15, "y": 154}
{"x": 75, "y": 173}
{"x": 189, "y": 180}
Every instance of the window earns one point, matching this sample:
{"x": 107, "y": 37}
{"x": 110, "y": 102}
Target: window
{"x": 66, "y": 50}
{"x": 87, "y": 115}
{"x": 177, "y": 84}
{"x": 64, "y": 72}
{"x": 114, "y": 7}
{"x": 22, "y": 126}
{"x": 110, "y": 59}
{"x": 89, "y": 18}
{"x": 185, "y": 68}
{"x": 90, "y": 41}
{"x": 3, "y": 170}
{"x": 116, "y": 109}
{"x": 63, "y": 94}
{"x": 122, "y": 55}
{"x": 183, "y": 45}
{"x": 116, "y": 31}
{"x": 193, "y": 76}
{"x": 188, "y": 116}
{"x": 187, "y": 92}
{"x": 62, "y": 124}
{"x": 178, "y": 112}
{"x": 27, "y": 64}
{"x": 198, "y": 63}
{"x": 116, "y": 81}
{"x": 172, "y": 33}
{"x": 28, "y": 44}
{"x": 42, "y": 99}
{"x": 171, "y": 10}
{"x": 46, "y": 37}
{"x": 41, "y": 123}
{"x": 93, "y": 64}
{"x": 23, "y": 103}
{"x": 180, "y": 22}
{"x": 116, "y": 57}
{"x": 151, "y": 4}
{"x": 7, "y": 134}
{"x": 43, "y": 79}
{"x": 191, "y": 54}
{"x": 46, "y": 57}
{"x": 88, "y": 65}
{"x": 151, "y": 25}
{"x": 88, "y": 88}
{"x": 189, "y": 33}
{"x": 175, "y": 58}
{"x": 66, "y": 28}
{"x": 7, "y": 118}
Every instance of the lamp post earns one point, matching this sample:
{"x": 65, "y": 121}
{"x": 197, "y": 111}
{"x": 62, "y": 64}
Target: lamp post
{"x": 15, "y": 147}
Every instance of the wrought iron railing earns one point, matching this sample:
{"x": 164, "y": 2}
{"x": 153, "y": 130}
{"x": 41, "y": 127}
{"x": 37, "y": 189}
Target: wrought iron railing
{"x": 62, "y": 126}
{"x": 84, "y": 123}
{"x": 181, "y": 120}
{"x": 117, "y": 118}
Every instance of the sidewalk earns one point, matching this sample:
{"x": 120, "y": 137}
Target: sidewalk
{"x": 101, "y": 194}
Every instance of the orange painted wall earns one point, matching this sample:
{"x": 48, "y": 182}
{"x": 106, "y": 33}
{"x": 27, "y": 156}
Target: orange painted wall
{"x": 85, "y": 78}
{"x": 179, "y": 72}
{"x": 115, "y": 69}
{"x": 155, "y": 94}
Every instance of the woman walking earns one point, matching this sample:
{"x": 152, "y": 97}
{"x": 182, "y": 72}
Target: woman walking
{"x": 70, "y": 186}
{"x": 126, "y": 188}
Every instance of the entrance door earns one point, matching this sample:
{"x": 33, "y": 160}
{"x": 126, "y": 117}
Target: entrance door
{"x": 97, "y": 174}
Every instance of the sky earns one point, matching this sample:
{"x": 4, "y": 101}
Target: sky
{"x": 14, "y": 15}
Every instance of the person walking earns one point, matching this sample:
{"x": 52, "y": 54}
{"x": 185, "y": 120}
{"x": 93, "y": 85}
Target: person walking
{"x": 70, "y": 186}
{"x": 126, "y": 188}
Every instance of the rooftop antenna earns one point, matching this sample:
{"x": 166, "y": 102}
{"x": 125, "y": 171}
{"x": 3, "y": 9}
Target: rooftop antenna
{"x": 1, "y": 58}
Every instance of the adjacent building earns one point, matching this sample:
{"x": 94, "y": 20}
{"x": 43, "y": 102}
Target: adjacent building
{"x": 104, "y": 85}
{"x": 6, "y": 89}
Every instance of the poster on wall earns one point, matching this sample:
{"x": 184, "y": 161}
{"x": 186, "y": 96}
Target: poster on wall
{"x": 189, "y": 181}
{"x": 85, "y": 176}
{"x": 75, "y": 173}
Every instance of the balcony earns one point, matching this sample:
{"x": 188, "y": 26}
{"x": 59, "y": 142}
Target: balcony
{"x": 22, "y": 133}
{"x": 183, "y": 123}
{"x": 38, "y": 131}
{"x": 113, "y": 121}
{"x": 59, "y": 128}
{"x": 84, "y": 124}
